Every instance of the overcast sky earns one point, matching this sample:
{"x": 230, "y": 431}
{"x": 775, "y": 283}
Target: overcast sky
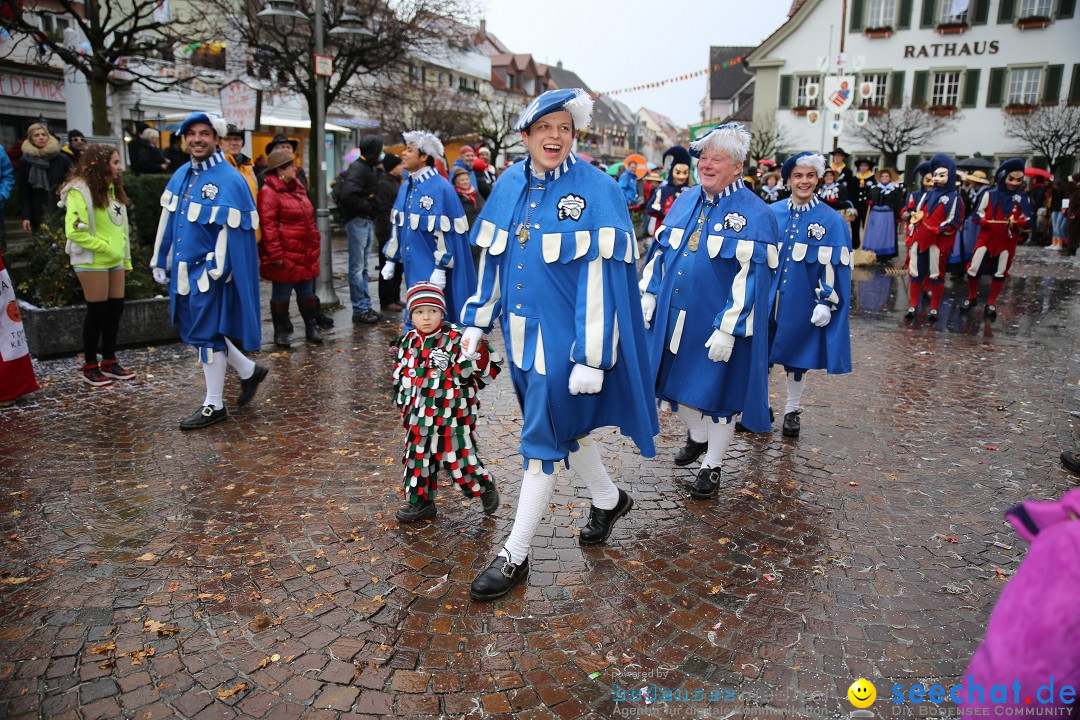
{"x": 615, "y": 44}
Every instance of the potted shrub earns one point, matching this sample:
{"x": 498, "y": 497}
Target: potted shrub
{"x": 801, "y": 109}
{"x": 878, "y": 32}
{"x": 942, "y": 109}
{"x": 1033, "y": 22}
{"x": 1019, "y": 109}
{"x": 952, "y": 28}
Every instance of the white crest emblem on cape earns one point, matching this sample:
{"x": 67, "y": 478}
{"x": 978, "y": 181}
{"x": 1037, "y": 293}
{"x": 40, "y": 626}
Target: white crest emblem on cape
{"x": 571, "y": 206}
{"x": 735, "y": 221}
{"x": 427, "y": 202}
{"x": 816, "y": 231}
{"x": 210, "y": 191}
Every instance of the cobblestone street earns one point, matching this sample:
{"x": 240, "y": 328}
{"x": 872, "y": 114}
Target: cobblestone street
{"x": 255, "y": 569}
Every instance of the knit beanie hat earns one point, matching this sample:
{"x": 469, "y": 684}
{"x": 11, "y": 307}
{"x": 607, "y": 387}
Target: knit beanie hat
{"x": 425, "y": 293}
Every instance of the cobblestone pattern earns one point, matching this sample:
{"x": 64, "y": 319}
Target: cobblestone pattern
{"x": 255, "y": 569}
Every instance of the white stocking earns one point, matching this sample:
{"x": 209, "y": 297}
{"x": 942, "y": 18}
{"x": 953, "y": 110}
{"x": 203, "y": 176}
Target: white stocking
{"x": 588, "y": 465}
{"x": 720, "y": 434}
{"x": 243, "y": 365}
{"x": 535, "y": 497}
{"x": 694, "y": 423}
{"x": 214, "y": 372}
{"x": 794, "y": 393}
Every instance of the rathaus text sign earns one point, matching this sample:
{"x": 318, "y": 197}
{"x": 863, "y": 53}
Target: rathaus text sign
{"x": 955, "y": 49}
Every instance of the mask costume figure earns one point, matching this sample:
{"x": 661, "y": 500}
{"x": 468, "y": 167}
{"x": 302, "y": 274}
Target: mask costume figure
{"x": 937, "y": 216}
{"x": 975, "y": 185}
{"x": 705, "y": 298}
{"x": 558, "y": 270}
{"x": 429, "y": 231}
{"x": 808, "y": 327}
{"x": 206, "y": 244}
{"x": 677, "y": 165}
{"x": 1001, "y": 214}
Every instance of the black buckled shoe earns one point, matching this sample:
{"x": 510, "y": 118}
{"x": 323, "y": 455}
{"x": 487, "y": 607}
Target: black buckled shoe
{"x": 500, "y": 577}
{"x": 249, "y": 386}
{"x": 932, "y": 315}
{"x": 601, "y": 522}
{"x": 490, "y": 498}
{"x": 990, "y": 312}
{"x": 966, "y": 305}
{"x": 706, "y": 483}
{"x": 910, "y": 314}
{"x": 419, "y": 511}
{"x": 1070, "y": 460}
{"x": 690, "y": 452}
{"x": 204, "y": 417}
{"x": 792, "y": 424}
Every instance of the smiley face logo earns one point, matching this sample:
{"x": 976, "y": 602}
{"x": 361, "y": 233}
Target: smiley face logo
{"x": 862, "y": 693}
{"x": 12, "y": 311}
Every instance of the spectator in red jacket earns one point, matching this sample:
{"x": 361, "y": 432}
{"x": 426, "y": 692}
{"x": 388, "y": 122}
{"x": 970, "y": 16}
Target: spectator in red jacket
{"x": 289, "y": 251}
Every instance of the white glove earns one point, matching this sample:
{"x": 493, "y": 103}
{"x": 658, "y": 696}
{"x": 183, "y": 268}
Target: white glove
{"x": 821, "y": 317}
{"x": 438, "y": 277}
{"x": 648, "y": 307}
{"x": 159, "y": 276}
{"x": 470, "y": 343}
{"x": 585, "y": 380}
{"x": 720, "y": 344}
{"x": 387, "y": 271}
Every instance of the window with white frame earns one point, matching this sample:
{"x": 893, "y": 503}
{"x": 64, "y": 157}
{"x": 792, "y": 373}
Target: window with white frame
{"x": 1034, "y": 8}
{"x": 1024, "y": 86}
{"x": 54, "y": 24}
{"x": 946, "y": 88}
{"x": 880, "y": 82}
{"x": 947, "y": 12}
{"x": 880, "y": 13}
{"x": 801, "y": 83}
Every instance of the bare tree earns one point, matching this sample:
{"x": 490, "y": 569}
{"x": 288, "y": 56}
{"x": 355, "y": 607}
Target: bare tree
{"x": 1052, "y": 131}
{"x": 114, "y": 32}
{"x": 897, "y": 130}
{"x": 450, "y": 114}
{"x": 495, "y": 122}
{"x": 768, "y": 138}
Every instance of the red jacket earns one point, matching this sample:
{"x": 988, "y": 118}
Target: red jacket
{"x": 289, "y": 251}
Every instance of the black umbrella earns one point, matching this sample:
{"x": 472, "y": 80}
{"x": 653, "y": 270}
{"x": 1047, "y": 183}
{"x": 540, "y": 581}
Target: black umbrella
{"x": 976, "y": 162}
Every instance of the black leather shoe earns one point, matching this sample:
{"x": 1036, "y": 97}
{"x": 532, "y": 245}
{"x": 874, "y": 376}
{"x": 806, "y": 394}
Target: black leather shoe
{"x": 910, "y": 314}
{"x": 690, "y": 452}
{"x": 966, "y": 305}
{"x": 249, "y": 386}
{"x": 705, "y": 484}
{"x": 990, "y": 311}
{"x": 601, "y": 522}
{"x": 204, "y": 417}
{"x": 500, "y": 577}
{"x": 419, "y": 511}
{"x": 792, "y": 424}
{"x": 490, "y": 498}
{"x": 1071, "y": 461}
{"x": 932, "y": 315}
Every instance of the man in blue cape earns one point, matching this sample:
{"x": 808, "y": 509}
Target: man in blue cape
{"x": 558, "y": 270}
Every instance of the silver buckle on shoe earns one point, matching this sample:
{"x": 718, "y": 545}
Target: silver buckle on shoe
{"x": 508, "y": 573}
{"x": 207, "y": 410}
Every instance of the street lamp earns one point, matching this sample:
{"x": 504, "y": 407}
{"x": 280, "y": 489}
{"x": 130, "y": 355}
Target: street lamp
{"x": 283, "y": 14}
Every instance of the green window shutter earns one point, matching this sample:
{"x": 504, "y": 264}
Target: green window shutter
{"x": 1065, "y": 9}
{"x": 981, "y": 12}
{"x": 857, "y": 15}
{"x": 904, "y": 21}
{"x": 896, "y": 89}
{"x": 995, "y": 89}
{"x": 1052, "y": 85}
{"x": 918, "y": 89}
{"x": 971, "y": 88}
{"x": 1006, "y": 11}
{"x": 785, "y": 91}
{"x": 1074, "y": 86}
{"x": 929, "y": 14}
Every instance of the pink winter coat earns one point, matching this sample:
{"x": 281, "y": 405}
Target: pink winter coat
{"x": 289, "y": 251}
{"x": 1034, "y": 630}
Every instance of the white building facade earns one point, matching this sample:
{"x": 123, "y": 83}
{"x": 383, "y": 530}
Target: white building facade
{"x": 992, "y": 58}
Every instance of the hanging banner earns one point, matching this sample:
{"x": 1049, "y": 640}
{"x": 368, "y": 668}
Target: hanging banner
{"x": 836, "y": 126}
{"x": 839, "y": 92}
{"x": 861, "y": 116}
{"x": 813, "y": 117}
{"x": 812, "y": 91}
{"x": 241, "y": 105}
{"x": 866, "y": 90}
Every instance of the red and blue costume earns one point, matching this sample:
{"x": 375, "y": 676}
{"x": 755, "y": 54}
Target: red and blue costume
{"x": 937, "y": 216}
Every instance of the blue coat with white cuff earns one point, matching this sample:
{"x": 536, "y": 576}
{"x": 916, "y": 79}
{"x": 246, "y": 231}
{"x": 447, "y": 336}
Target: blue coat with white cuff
{"x": 206, "y": 240}
{"x": 565, "y": 296}
{"x": 723, "y": 284}
{"x": 815, "y": 268}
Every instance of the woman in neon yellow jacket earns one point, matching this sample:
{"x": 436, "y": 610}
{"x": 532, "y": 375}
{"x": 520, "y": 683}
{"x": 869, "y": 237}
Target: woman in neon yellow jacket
{"x": 98, "y": 242}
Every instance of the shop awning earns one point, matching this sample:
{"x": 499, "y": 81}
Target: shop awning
{"x": 289, "y": 122}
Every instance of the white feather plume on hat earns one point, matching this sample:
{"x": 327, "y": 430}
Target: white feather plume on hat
{"x": 425, "y": 142}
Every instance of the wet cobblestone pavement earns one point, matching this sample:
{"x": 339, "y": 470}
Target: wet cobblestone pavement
{"x": 255, "y": 569}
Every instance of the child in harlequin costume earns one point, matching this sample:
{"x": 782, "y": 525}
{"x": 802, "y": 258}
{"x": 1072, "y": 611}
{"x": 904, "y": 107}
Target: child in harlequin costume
{"x": 937, "y": 216}
{"x": 428, "y": 229}
{"x": 435, "y": 389}
{"x": 206, "y": 244}
{"x": 16, "y": 369}
{"x": 558, "y": 270}
{"x": 705, "y": 298}
{"x": 1001, "y": 215}
{"x": 808, "y": 327}
{"x": 676, "y": 163}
